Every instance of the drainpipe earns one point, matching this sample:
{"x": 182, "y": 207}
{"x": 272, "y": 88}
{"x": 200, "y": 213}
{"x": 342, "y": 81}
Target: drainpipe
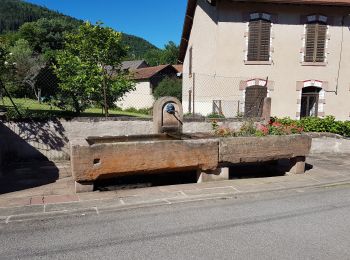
{"x": 340, "y": 53}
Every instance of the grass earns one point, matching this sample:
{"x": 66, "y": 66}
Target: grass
{"x": 35, "y": 106}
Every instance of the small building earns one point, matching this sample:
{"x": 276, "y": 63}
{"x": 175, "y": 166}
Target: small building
{"x": 132, "y": 65}
{"x": 237, "y": 52}
{"x": 147, "y": 79}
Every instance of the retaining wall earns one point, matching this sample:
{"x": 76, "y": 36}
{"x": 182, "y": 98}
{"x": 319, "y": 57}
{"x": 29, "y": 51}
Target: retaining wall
{"x": 27, "y": 141}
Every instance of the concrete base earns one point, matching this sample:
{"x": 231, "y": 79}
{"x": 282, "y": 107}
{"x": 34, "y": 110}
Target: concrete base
{"x": 297, "y": 165}
{"x": 81, "y": 187}
{"x": 221, "y": 174}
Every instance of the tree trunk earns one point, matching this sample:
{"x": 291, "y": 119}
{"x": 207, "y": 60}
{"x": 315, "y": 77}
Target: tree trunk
{"x": 39, "y": 95}
{"x": 105, "y": 98}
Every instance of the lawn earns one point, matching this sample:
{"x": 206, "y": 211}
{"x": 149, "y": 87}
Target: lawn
{"x": 35, "y": 106}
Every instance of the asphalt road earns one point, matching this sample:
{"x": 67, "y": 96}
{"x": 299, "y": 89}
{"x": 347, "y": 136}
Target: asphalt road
{"x": 283, "y": 225}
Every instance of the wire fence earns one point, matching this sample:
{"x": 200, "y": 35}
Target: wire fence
{"x": 201, "y": 95}
{"x": 220, "y": 96}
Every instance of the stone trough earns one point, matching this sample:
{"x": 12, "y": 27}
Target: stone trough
{"x": 97, "y": 158}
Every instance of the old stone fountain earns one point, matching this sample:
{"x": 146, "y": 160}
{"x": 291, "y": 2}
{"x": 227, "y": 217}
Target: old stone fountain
{"x": 170, "y": 150}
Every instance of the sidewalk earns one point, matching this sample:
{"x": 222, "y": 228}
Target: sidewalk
{"x": 58, "y": 198}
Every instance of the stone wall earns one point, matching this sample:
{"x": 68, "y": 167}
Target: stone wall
{"x": 329, "y": 143}
{"x": 27, "y": 141}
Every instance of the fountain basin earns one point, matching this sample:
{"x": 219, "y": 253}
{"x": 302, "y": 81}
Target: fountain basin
{"x": 103, "y": 157}
{"x": 261, "y": 149}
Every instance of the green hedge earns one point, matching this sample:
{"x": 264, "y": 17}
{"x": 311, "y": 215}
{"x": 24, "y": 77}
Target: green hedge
{"x": 321, "y": 125}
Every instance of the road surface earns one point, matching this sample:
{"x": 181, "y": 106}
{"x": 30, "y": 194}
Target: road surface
{"x": 303, "y": 224}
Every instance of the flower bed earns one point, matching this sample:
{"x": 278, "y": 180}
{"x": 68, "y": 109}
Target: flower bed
{"x": 257, "y": 129}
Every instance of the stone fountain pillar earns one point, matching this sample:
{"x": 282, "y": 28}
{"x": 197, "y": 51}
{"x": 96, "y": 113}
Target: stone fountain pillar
{"x": 167, "y": 115}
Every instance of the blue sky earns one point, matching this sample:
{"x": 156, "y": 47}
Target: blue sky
{"x": 157, "y": 21}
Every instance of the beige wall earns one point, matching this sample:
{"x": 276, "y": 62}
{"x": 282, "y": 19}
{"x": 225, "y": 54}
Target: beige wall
{"x": 141, "y": 97}
{"x": 219, "y": 42}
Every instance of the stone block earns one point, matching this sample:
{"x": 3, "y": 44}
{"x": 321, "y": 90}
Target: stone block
{"x": 297, "y": 165}
{"x": 81, "y": 187}
{"x": 150, "y": 154}
{"x": 220, "y": 174}
{"x": 261, "y": 149}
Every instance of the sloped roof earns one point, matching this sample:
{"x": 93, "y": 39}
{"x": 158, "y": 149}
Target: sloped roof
{"x": 179, "y": 68}
{"x": 133, "y": 64}
{"x": 192, "y": 4}
{"x": 147, "y": 73}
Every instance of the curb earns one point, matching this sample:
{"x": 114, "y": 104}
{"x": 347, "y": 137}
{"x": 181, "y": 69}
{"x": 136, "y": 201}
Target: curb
{"x": 21, "y": 214}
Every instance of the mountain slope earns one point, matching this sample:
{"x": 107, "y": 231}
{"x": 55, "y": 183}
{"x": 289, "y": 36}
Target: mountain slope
{"x": 14, "y": 13}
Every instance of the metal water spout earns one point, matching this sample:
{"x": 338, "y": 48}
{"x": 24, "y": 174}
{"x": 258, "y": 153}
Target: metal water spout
{"x": 170, "y": 109}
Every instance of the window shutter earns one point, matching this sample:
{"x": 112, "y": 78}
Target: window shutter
{"x": 321, "y": 42}
{"x": 315, "y": 44}
{"x": 259, "y": 40}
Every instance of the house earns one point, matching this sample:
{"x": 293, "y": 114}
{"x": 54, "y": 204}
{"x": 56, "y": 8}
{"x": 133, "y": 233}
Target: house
{"x": 132, "y": 65}
{"x": 235, "y": 53}
{"x": 147, "y": 79}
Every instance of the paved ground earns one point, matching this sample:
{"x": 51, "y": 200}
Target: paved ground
{"x": 306, "y": 223}
{"x": 31, "y": 197}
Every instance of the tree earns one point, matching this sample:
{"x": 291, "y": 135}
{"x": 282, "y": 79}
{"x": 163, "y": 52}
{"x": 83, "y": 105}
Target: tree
{"x": 27, "y": 65}
{"x": 168, "y": 55}
{"x": 169, "y": 87}
{"x": 89, "y": 67}
{"x": 47, "y": 35}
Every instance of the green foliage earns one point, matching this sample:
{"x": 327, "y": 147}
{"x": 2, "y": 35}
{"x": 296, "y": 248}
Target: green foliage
{"x": 76, "y": 86}
{"x": 88, "y": 68}
{"x": 143, "y": 111}
{"x": 3, "y": 59}
{"x": 169, "y": 55}
{"x": 315, "y": 124}
{"x": 171, "y": 87}
{"x": 215, "y": 115}
{"x": 137, "y": 47}
{"x": 27, "y": 67}
{"x": 14, "y": 13}
{"x": 47, "y": 35}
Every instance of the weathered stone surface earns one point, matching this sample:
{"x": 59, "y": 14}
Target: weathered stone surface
{"x": 220, "y": 174}
{"x": 90, "y": 162}
{"x": 162, "y": 120}
{"x": 260, "y": 149}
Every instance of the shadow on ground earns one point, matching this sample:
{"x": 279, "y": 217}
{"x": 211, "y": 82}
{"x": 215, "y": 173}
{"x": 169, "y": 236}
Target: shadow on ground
{"x": 22, "y": 176}
{"x": 262, "y": 170}
{"x": 241, "y": 171}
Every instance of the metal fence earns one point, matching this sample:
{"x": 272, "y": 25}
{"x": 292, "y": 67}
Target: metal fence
{"x": 229, "y": 97}
{"x": 202, "y": 94}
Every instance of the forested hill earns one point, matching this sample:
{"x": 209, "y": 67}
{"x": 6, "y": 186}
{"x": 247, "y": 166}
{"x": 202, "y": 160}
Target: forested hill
{"x": 14, "y": 13}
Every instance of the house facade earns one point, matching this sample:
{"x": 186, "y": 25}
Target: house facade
{"x": 147, "y": 79}
{"x": 296, "y": 52}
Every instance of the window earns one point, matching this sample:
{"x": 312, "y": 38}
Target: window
{"x": 259, "y": 37}
{"x": 315, "y": 41}
{"x": 309, "y": 102}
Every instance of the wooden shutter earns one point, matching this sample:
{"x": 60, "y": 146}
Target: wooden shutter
{"x": 259, "y": 40}
{"x": 315, "y": 44}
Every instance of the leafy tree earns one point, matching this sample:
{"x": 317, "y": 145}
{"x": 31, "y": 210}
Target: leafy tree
{"x": 3, "y": 58}
{"x": 46, "y": 35}
{"x": 168, "y": 55}
{"x": 169, "y": 87}
{"x": 89, "y": 68}
{"x": 27, "y": 65}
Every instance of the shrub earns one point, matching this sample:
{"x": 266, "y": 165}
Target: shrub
{"x": 171, "y": 87}
{"x": 315, "y": 124}
{"x": 215, "y": 115}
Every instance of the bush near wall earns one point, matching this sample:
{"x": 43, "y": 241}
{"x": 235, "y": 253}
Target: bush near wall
{"x": 322, "y": 125}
